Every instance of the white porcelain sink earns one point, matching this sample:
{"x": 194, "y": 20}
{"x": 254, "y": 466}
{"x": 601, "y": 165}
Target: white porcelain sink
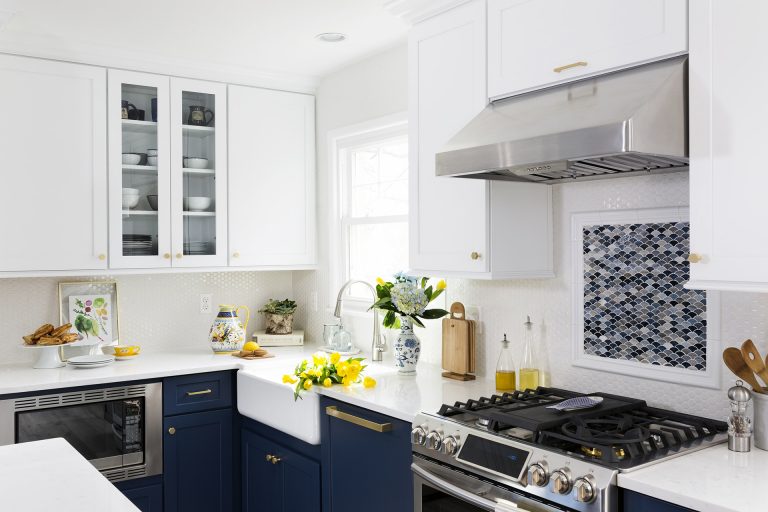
{"x": 262, "y": 396}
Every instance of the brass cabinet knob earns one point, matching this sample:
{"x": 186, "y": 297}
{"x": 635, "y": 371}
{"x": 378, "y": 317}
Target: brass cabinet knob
{"x": 171, "y": 430}
{"x": 179, "y": 255}
{"x": 475, "y": 255}
{"x": 167, "y": 255}
{"x": 236, "y": 254}
{"x": 102, "y": 256}
{"x": 275, "y": 459}
{"x": 269, "y": 458}
{"x": 694, "y": 258}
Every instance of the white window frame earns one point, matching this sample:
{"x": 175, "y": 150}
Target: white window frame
{"x": 340, "y": 142}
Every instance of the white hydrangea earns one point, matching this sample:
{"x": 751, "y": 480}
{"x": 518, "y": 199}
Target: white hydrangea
{"x": 408, "y": 298}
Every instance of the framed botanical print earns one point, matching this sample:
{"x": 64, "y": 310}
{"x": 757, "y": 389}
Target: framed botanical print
{"x": 92, "y": 309}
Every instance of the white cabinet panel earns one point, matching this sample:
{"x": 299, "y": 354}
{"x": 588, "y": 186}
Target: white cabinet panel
{"x": 727, "y": 132}
{"x": 448, "y": 217}
{"x": 532, "y": 43}
{"x": 271, "y": 178}
{"x": 53, "y": 197}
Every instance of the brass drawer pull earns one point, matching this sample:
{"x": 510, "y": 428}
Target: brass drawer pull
{"x": 694, "y": 258}
{"x": 273, "y": 459}
{"x": 560, "y": 69}
{"x": 334, "y": 411}
{"x": 203, "y": 392}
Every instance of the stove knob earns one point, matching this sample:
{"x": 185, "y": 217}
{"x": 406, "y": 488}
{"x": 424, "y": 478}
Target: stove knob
{"x": 434, "y": 440}
{"x": 585, "y": 489}
{"x": 538, "y": 474}
{"x": 419, "y": 436}
{"x": 561, "y": 481}
{"x": 450, "y": 445}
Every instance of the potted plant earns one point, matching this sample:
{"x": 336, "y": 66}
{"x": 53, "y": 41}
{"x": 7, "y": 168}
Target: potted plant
{"x": 279, "y": 315}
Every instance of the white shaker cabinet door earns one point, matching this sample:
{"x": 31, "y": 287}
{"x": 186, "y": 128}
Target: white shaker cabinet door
{"x": 536, "y": 43}
{"x": 53, "y": 198}
{"x": 271, "y": 178}
{"x": 448, "y": 217}
{"x": 728, "y": 133}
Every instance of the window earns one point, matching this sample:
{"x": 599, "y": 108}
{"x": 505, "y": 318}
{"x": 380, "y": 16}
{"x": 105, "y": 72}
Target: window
{"x": 372, "y": 172}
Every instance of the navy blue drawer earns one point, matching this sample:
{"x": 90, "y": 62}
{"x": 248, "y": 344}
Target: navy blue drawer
{"x": 199, "y": 392}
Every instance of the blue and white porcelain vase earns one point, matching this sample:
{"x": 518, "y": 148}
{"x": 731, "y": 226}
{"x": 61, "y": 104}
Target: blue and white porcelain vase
{"x": 407, "y": 347}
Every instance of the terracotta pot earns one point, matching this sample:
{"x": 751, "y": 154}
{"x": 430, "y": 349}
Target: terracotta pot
{"x": 279, "y": 324}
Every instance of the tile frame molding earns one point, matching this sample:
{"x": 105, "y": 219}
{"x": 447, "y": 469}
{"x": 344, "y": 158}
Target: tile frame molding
{"x": 710, "y": 378}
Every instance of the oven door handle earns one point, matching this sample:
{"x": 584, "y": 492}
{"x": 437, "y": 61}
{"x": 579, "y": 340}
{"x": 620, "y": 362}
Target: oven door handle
{"x": 466, "y": 496}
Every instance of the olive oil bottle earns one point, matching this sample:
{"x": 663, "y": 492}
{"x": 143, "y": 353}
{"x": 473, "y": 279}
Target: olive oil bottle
{"x": 505, "y": 368}
{"x": 529, "y": 370}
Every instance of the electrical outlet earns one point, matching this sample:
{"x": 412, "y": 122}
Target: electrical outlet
{"x": 205, "y": 302}
{"x": 474, "y": 313}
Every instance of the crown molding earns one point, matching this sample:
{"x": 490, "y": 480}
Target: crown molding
{"x": 121, "y": 58}
{"x": 415, "y": 11}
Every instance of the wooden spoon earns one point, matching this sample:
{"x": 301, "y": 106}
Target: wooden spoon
{"x": 734, "y": 360}
{"x": 754, "y": 360}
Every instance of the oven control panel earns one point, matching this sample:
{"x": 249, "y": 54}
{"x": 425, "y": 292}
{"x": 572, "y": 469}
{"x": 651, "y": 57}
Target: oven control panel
{"x": 549, "y": 474}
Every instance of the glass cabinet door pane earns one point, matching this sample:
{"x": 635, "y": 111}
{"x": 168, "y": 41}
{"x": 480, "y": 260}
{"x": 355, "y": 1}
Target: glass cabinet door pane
{"x": 140, "y": 224}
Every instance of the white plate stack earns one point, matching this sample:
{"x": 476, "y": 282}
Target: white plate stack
{"x": 90, "y": 361}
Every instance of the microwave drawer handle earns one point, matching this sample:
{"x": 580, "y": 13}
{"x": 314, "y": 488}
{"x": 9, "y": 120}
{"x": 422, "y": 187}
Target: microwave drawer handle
{"x": 196, "y": 393}
{"x": 334, "y": 411}
{"x": 461, "y": 494}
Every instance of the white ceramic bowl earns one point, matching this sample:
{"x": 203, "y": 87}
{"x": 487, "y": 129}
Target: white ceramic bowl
{"x": 130, "y": 201}
{"x": 151, "y": 160}
{"x": 151, "y": 152}
{"x": 131, "y": 158}
{"x": 196, "y": 204}
{"x": 196, "y": 163}
{"x": 130, "y": 191}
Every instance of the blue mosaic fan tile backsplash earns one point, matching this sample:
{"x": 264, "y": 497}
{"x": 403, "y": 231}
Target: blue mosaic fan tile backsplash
{"x": 635, "y": 306}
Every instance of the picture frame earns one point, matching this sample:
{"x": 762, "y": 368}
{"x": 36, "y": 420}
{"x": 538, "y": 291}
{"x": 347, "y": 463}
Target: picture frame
{"x": 92, "y": 308}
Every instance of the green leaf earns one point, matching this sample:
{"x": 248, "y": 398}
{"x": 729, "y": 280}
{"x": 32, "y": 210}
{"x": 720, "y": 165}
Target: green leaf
{"x": 416, "y": 320}
{"x": 436, "y": 294}
{"x": 381, "y": 303}
{"x": 424, "y": 281}
{"x": 433, "y": 314}
{"x": 389, "y": 319}
{"x": 428, "y": 293}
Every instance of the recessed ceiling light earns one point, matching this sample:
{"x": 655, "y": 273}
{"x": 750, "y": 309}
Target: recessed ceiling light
{"x": 331, "y": 37}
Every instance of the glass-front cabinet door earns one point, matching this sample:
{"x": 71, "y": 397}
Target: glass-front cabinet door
{"x": 198, "y": 173}
{"x": 139, "y": 170}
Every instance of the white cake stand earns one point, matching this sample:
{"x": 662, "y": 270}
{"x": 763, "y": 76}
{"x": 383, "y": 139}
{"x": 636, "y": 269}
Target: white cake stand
{"x": 48, "y": 356}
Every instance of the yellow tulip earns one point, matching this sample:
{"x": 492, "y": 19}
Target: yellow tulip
{"x": 441, "y": 284}
{"x": 342, "y": 368}
{"x": 380, "y": 281}
{"x": 303, "y": 375}
{"x": 307, "y": 384}
{"x": 335, "y": 357}
{"x": 369, "y": 382}
{"x": 327, "y": 382}
{"x": 288, "y": 379}
{"x": 319, "y": 359}
{"x": 346, "y": 381}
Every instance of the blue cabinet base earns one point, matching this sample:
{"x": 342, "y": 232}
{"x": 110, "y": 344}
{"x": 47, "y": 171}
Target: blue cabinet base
{"x": 145, "y": 493}
{"x": 636, "y": 502}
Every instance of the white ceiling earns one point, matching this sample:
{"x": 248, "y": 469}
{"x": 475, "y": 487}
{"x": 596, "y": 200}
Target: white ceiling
{"x": 266, "y": 35}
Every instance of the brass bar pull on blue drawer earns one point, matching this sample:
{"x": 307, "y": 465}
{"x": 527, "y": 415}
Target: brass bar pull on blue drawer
{"x": 203, "y": 392}
{"x": 334, "y": 411}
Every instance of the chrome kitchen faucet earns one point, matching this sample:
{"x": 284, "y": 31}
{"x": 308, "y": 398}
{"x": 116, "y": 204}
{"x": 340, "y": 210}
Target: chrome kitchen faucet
{"x": 377, "y": 346}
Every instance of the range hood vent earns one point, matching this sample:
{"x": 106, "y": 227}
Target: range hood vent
{"x": 625, "y": 123}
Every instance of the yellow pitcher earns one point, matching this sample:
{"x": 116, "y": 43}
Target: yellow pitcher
{"x": 227, "y": 333}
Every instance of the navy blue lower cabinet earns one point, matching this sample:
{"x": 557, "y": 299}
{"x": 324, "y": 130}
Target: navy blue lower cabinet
{"x": 363, "y": 463}
{"x": 198, "y": 462}
{"x": 276, "y": 478}
{"x": 636, "y": 502}
{"x": 145, "y": 493}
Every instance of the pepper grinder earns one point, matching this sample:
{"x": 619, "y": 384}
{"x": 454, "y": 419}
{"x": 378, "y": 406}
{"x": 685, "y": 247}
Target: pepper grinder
{"x": 739, "y": 424}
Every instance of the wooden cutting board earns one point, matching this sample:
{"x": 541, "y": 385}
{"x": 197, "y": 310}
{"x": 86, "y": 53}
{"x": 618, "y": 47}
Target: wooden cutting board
{"x": 458, "y": 344}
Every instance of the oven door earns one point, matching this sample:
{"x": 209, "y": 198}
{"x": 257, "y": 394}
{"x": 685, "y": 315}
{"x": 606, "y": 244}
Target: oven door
{"x": 437, "y": 488}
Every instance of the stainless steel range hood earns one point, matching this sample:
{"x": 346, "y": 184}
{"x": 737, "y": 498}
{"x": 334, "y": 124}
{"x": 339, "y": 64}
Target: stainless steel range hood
{"x": 619, "y": 124}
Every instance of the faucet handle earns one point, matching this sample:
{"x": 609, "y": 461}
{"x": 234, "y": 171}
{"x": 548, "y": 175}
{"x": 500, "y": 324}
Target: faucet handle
{"x": 382, "y": 347}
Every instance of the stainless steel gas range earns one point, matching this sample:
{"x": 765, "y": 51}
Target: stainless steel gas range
{"x": 512, "y": 452}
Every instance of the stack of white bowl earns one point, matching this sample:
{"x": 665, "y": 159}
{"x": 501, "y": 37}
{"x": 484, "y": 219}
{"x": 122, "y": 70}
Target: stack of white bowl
{"x": 130, "y": 198}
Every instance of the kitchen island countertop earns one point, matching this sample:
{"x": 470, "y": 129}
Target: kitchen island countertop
{"x": 42, "y": 476}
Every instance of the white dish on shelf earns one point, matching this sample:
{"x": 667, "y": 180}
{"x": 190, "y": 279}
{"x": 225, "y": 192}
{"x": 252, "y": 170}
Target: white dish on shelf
{"x": 88, "y": 366}
{"x": 130, "y": 201}
{"x": 152, "y": 152}
{"x": 91, "y": 359}
{"x": 195, "y": 163}
{"x": 196, "y": 203}
{"x": 130, "y": 191}
{"x": 131, "y": 158}
{"x": 152, "y": 160}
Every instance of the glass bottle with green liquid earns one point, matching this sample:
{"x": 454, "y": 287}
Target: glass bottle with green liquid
{"x": 505, "y": 368}
{"x": 529, "y": 370}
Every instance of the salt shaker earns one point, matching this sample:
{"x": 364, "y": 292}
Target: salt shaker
{"x": 739, "y": 424}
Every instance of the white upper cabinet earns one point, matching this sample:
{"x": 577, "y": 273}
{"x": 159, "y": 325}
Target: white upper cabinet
{"x": 534, "y": 43}
{"x": 460, "y": 226}
{"x": 54, "y": 193}
{"x": 728, "y": 109}
{"x": 271, "y": 178}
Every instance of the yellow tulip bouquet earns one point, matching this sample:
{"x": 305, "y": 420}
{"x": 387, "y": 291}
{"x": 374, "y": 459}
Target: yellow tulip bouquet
{"x": 327, "y": 370}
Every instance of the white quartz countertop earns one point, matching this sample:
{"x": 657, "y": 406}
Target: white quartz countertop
{"x": 42, "y": 476}
{"x": 714, "y": 479}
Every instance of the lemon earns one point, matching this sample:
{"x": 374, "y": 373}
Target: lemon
{"x": 251, "y": 346}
